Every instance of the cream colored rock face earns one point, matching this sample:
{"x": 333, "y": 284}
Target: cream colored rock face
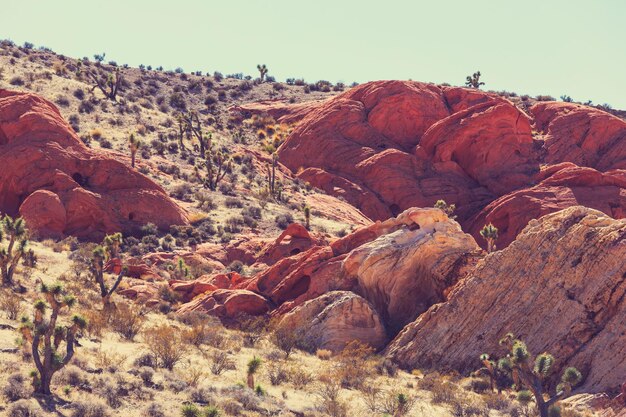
{"x": 406, "y": 270}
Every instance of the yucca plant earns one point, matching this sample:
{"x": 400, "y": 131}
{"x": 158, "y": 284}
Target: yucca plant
{"x": 490, "y": 234}
{"x": 307, "y": 217}
{"x": 253, "y": 366}
{"x": 262, "y": 71}
{"x": 134, "y": 145}
{"x": 534, "y": 375}
{"x": 446, "y": 208}
{"x": 106, "y": 257}
{"x": 46, "y": 336}
{"x": 14, "y": 231}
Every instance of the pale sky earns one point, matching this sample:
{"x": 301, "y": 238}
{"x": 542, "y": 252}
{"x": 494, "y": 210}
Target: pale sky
{"x": 555, "y": 47}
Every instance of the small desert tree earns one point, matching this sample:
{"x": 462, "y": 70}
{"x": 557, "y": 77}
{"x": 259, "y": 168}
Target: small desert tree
{"x": 490, "y": 234}
{"x": 106, "y": 256}
{"x": 498, "y": 371}
{"x": 47, "y": 336}
{"x": 474, "y": 80}
{"x": 189, "y": 123}
{"x": 262, "y": 71}
{"x": 307, "y": 217}
{"x": 109, "y": 84}
{"x": 134, "y": 145}
{"x": 217, "y": 164}
{"x": 274, "y": 187}
{"x": 534, "y": 375}
{"x": 14, "y": 231}
{"x": 253, "y": 366}
{"x": 446, "y": 208}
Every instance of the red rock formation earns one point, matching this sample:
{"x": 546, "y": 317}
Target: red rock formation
{"x": 387, "y": 146}
{"x": 62, "y": 187}
{"x": 280, "y": 110}
{"x": 228, "y": 304}
{"x": 560, "y": 286}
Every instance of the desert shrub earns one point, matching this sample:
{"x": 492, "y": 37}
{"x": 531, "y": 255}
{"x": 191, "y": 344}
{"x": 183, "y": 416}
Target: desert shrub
{"x": 299, "y": 377}
{"x": 72, "y": 375}
{"x": 25, "y": 408}
{"x": 330, "y": 401}
{"x": 354, "y": 367}
{"x": 108, "y": 360}
{"x": 220, "y": 362}
{"x": 284, "y": 220}
{"x": 17, "y": 81}
{"x": 86, "y": 106}
{"x": 236, "y": 266}
{"x": 127, "y": 320}
{"x": 480, "y": 385}
{"x": 62, "y": 101}
{"x": 182, "y": 192}
{"x": 146, "y": 374}
{"x": 15, "y": 388}
{"x": 190, "y": 410}
{"x": 444, "y": 392}
{"x": 90, "y": 409}
{"x": 79, "y": 93}
{"x": 277, "y": 373}
{"x": 95, "y": 134}
{"x": 496, "y": 401}
{"x": 167, "y": 344}
{"x": 11, "y": 304}
{"x": 145, "y": 359}
{"x": 324, "y": 354}
{"x": 153, "y": 410}
{"x": 211, "y": 411}
{"x": 232, "y": 407}
{"x": 202, "y": 395}
{"x": 252, "y": 211}
{"x": 233, "y": 202}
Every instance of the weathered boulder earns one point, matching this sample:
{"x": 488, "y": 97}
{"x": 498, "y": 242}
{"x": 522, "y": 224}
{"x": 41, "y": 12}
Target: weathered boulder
{"x": 405, "y": 271}
{"x": 560, "y": 286}
{"x": 228, "y": 304}
{"x": 333, "y": 320}
{"x": 90, "y": 193}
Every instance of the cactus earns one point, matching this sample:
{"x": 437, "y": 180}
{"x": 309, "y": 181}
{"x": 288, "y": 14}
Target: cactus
{"x": 307, "y": 217}
{"x": 534, "y": 375}
{"x": 253, "y": 367}
{"x": 474, "y": 80}
{"x": 490, "y": 234}
{"x": 133, "y": 144}
{"x": 262, "y": 71}
{"x": 46, "y": 336}
{"x": 446, "y": 208}
{"x": 106, "y": 257}
{"x": 14, "y": 230}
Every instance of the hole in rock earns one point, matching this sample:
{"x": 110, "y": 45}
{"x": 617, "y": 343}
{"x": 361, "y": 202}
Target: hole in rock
{"x": 395, "y": 209}
{"x": 295, "y": 251}
{"x": 131, "y": 216}
{"x": 80, "y": 180}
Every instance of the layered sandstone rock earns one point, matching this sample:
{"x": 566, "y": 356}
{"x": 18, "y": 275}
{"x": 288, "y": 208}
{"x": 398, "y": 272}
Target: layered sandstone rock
{"x": 61, "y": 187}
{"x": 561, "y": 286}
{"x": 405, "y": 271}
{"x": 387, "y": 146}
{"x": 334, "y": 319}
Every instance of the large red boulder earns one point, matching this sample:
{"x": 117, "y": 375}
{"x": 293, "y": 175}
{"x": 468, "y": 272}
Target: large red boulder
{"x": 63, "y": 187}
{"x": 386, "y": 146}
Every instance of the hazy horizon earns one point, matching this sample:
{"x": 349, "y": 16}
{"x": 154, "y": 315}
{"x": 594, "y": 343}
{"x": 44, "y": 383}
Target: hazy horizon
{"x": 555, "y": 48}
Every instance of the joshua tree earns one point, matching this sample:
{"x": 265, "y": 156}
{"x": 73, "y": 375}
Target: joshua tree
{"x": 180, "y": 270}
{"x": 262, "y": 71}
{"x": 217, "y": 165}
{"x": 448, "y": 209}
{"x": 14, "y": 230}
{"x": 99, "y": 57}
{"x": 499, "y": 372}
{"x": 474, "y": 80}
{"x": 109, "y": 84}
{"x": 46, "y": 336}
{"x": 271, "y": 174}
{"x": 133, "y": 144}
{"x": 190, "y": 123}
{"x": 307, "y": 216}
{"x": 490, "y": 234}
{"x": 534, "y": 375}
{"x": 106, "y": 257}
{"x": 253, "y": 366}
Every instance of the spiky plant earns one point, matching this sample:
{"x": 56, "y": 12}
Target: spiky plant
{"x": 262, "y": 71}
{"x": 307, "y": 217}
{"x": 534, "y": 375}
{"x": 253, "y": 366}
{"x": 271, "y": 176}
{"x": 490, "y": 234}
{"x": 473, "y": 80}
{"x": 446, "y": 208}
{"x": 47, "y": 337}
{"x": 216, "y": 163}
{"x": 14, "y": 231}
{"x": 106, "y": 257}
{"x": 498, "y": 372}
{"x": 134, "y": 145}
